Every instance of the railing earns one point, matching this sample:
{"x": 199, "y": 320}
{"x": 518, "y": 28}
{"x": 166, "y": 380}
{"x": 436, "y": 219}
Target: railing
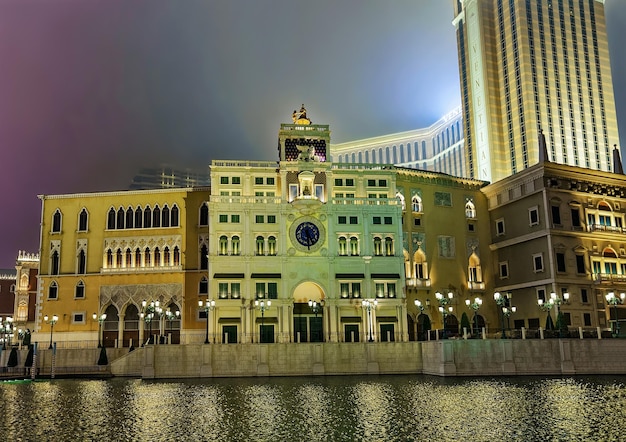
{"x": 306, "y": 128}
{"x": 246, "y": 199}
{"x": 609, "y": 277}
{"x": 243, "y": 163}
{"x": 603, "y": 228}
{"x": 159, "y": 269}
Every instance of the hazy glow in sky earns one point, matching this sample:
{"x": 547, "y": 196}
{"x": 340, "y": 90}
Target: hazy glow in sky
{"x": 92, "y": 91}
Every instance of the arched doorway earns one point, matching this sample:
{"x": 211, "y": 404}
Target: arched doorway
{"x": 308, "y": 313}
{"x": 452, "y": 326}
{"x": 111, "y": 324}
{"x": 172, "y": 323}
{"x": 131, "y": 326}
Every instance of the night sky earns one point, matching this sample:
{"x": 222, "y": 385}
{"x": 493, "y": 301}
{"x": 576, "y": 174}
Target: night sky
{"x": 91, "y": 91}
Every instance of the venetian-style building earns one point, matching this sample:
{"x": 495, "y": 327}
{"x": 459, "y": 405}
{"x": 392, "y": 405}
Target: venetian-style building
{"x": 307, "y": 239}
{"x": 559, "y": 229}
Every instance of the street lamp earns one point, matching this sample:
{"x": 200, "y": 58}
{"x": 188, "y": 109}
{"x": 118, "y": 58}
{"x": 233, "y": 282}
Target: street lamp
{"x": 557, "y": 300}
{"x": 149, "y": 311}
{"x": 614, "y": 301}
{"x": 170, "y": 316}
{"x": 443, "y": 301}
{"x": 262, "y": 305}
{"x": 207, "y": 306}
{"x": 478, "y": 302}
{"x": 315, "y": 306}
{"x": 6, "y": 330}
{"x": 53, "y": 320}
{"x": 368, "y": 306}
{"x": 507, "y": 311}
{"x": 503, "y": 302}
{"x": 100, "y": 320}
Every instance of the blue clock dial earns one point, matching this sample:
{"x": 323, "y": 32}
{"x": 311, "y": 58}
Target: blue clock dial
{"x": 307, "y": 234}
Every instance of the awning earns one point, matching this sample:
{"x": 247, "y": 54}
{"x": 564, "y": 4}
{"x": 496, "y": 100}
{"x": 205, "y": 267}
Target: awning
{"x": 228, "y": 276}
{"x": 267, "y": 320}
{"x": 351, "y": 319}
{"x": 229, "y": 320}
{"x": 385, "y": 275}
{"x": 386, "y": 319}
{"x": 266, "y": 275}
{"x": 349, "y": 275}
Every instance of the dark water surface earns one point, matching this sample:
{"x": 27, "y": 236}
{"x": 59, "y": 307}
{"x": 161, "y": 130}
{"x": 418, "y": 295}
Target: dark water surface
{"x": 355, "y": 408}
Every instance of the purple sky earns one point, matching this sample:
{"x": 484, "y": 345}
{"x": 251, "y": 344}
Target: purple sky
{"x": 93, "y": 90}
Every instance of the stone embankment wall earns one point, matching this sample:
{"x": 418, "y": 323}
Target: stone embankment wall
{"x": 490, "y": 357}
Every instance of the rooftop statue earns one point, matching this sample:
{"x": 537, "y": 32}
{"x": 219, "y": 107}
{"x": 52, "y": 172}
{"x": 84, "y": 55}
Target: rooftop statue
{"x": 299, "y": 117}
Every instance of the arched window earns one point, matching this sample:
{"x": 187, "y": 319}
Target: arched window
{"x": 271, "y": 245}
{"x": 109, "y": 259}
{"x": 174, "y": 216}
{"x": 166, "y": 257}
{"x": 138, "y": 262}
{"x": 343, "y": 247}
{"x": 176, "y": 256}
{"x": 165, "y": 216}
{"x": 79, "y": 291}
{"x": 54, "y": 264}
{"x": 470, "y": 210}
{"x": 120, "y": 218}
{"x": 130, "y": 218}
{"x": 400, "y": 198}
{"x": 204, "y": 257}
{"x": 138, "y": 217}
{"x": 416, "y": 204}
{"x": 147, "y": 257}
{"x": 53, "y": 290}
{"x": 260, "y": 244}
{"x": 236, "y": 243}
{"x": 81, "y": 263}
{"x": 82, "y": 221}
{"x": 203, "y": 289}
{"x": 421, "y": 266}
{"x": 147, "y": 217}
{"x": 354, "y": 246}
{"x": 56, "y": 221}
{"x": 474, "y": 271}
{"x": 129, "y": 258}
{"x": 156, "y": 217}
{"x": 389, "y": 246}
{"x": 204, "y": 214}
{"x": 118, "y": 259}
{"x": 157, "y": 257}
{"x": 378, "y": 246}
{"x": 223, "y": 245}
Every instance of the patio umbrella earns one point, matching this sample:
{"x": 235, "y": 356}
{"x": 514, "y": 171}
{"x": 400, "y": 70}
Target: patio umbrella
{"x": 549, "y": 322}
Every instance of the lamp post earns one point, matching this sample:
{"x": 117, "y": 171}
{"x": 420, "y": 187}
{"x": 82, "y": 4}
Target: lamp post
{"x": 207, "y": 306}
{"x": 614, "y": 301}
{"x": 478, "y": 302}
{"x": 507, "y": 311}
{"x": 6, "y": 330}
{"x": 557, "y": 300}
{"x": 262, "y": 305}
{"x": 545, "y": 306}
{"x": 315, "y": 306}
{"x": 368, "y": 306}
{"x": 100, "y": 320}
{"x": 443, "y": 302}
{"x": 53, "y": 320}
{"x": 149, "y": 311}
{"x": 503, "y": 302}
{"x": 170, "y": 316}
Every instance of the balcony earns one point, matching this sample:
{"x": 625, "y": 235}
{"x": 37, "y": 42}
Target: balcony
{"x": 474, "y": 285}
{"x": 609, "y": 278}
{"x": 603, "y": 228}
{"x": 418, "y": 282}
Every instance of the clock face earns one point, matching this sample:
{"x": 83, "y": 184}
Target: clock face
{"x": 307, "y": 234}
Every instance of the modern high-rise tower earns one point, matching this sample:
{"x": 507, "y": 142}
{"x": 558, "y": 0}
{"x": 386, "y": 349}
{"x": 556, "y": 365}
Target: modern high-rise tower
{"x": 534, "y": 65}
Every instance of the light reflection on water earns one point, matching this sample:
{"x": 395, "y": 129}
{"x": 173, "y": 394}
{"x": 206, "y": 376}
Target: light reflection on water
{"x": 373, "y": 408}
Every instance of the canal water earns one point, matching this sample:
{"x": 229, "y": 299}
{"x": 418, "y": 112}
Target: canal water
{"x": 355, "y": 408}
